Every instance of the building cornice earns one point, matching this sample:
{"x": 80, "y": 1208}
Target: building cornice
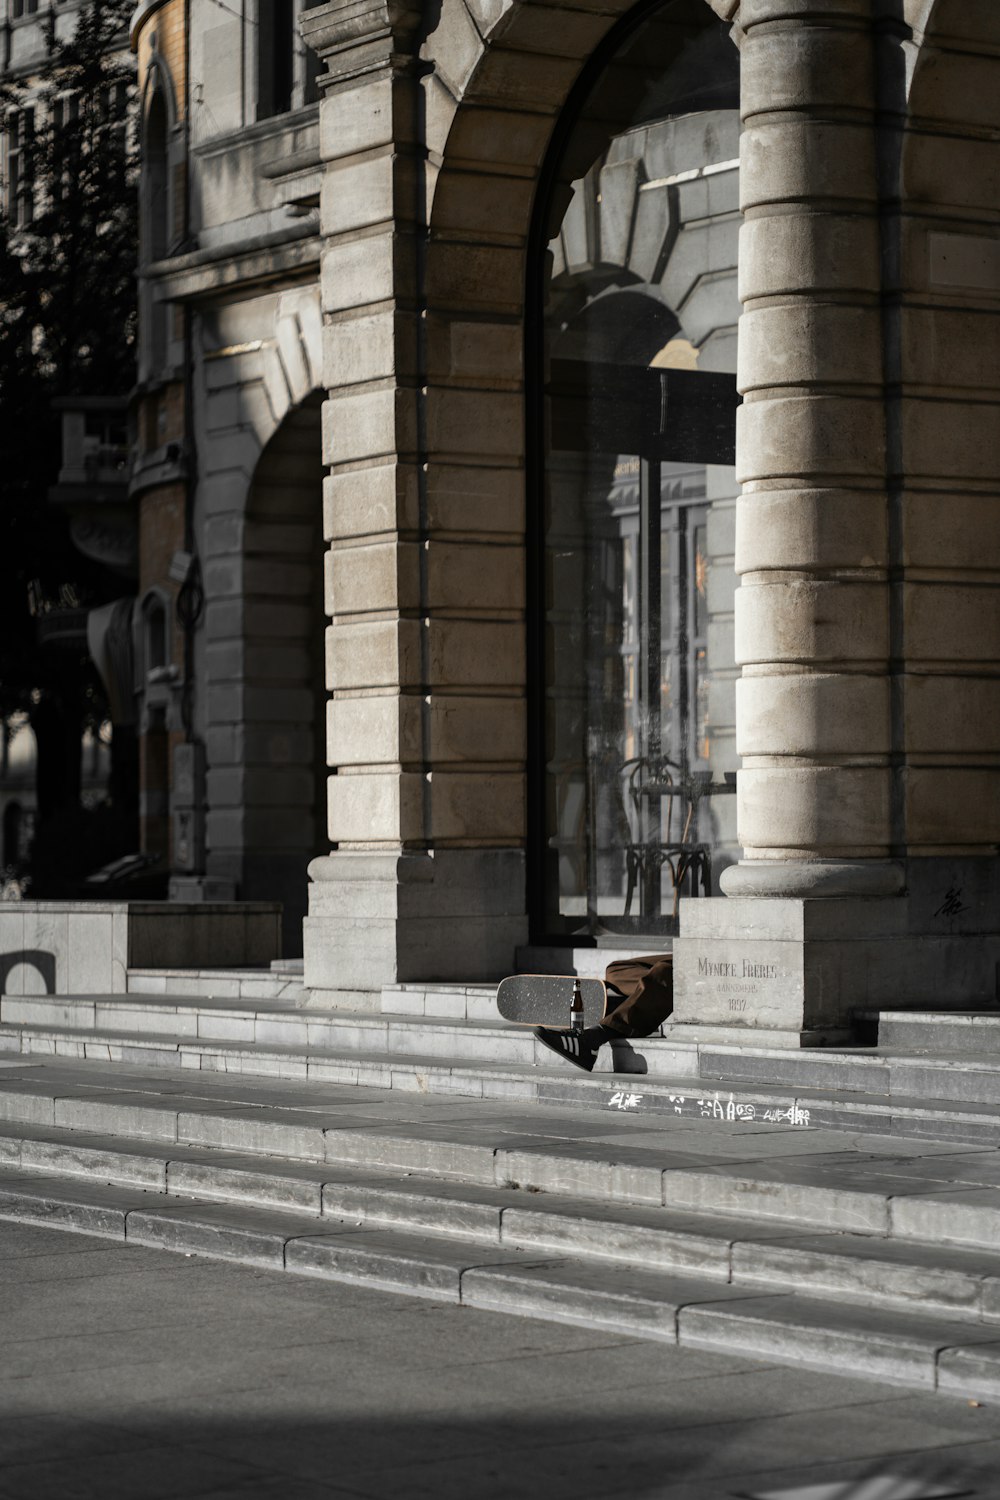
{"x": 266, "y": 258}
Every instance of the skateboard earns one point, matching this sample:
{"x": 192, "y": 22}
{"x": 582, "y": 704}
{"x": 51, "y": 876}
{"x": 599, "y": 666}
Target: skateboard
{"x": 543, "y": 999}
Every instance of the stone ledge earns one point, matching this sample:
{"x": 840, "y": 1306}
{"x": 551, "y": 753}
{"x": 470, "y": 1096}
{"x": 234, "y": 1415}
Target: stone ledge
{"x": 87, "y": 947}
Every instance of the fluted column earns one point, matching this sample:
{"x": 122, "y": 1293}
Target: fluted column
{"x": 816, "y": 807}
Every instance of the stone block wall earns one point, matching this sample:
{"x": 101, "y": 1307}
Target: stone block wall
{"x": 864, "y": 618}
{"x": 261, "y": 705}
{"x": 88, "y": 947}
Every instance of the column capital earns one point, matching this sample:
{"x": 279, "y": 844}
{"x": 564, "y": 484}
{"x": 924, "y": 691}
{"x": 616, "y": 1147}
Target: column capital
{"x": 355, "y": 37}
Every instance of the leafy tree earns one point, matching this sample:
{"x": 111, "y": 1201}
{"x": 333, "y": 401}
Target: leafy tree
{"x": 68, "y": 256}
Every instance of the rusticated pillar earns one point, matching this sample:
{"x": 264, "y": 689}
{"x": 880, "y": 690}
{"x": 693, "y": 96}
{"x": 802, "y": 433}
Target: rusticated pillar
{"x": 425, "y": 646}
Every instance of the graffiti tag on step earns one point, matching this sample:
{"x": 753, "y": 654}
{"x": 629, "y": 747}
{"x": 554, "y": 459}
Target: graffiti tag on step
{"x": 730, "y": 1111}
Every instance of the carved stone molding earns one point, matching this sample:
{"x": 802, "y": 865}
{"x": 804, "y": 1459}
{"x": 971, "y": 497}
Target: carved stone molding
{"x": 354, "y": 37}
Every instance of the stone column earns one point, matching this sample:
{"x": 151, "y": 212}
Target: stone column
{"x": 812, "y": 632}
{"x": 837, "y": 574}
{"x": 815, "y": 800}
{"x": 426, "y": 879}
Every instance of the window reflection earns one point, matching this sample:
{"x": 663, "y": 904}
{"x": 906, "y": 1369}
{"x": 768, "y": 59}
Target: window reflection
{"x": 640, "y": 409}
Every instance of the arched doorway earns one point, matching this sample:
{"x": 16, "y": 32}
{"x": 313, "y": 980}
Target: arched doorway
{"x": 285, "y": 759}
{"x": 425, "y": 439}
{"x": 267, "y": 769}
{"x": 635, "y": 250}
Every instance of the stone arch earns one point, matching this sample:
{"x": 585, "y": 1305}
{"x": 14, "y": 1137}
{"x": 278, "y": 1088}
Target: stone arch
{"x": 159, "y": 77}
{"x": 516, "y": 71}
{"x": 953, "y": 64}
{"x": 266, "y": 735}
{"x": 497, "y": 92}
{"x": 293, "y": 361}
{"x": 931, "y": 20}
{"x": 261, "y": 545}
{"x": 424, "y": 435}
{"x": 494, "y": 110}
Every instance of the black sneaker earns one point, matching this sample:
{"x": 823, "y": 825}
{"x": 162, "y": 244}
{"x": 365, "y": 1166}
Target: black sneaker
{"x": 577, "y": 1049}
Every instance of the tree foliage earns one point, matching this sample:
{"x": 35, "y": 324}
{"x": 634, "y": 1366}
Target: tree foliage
{"x": 74, "y": 282}
{"x": 67, "y": 328}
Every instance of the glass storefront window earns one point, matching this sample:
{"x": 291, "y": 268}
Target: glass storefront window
{"x": 640, "y": 398}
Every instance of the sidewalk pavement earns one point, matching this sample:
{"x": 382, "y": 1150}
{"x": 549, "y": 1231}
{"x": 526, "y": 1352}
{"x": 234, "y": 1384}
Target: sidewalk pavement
{"x": 134, "y": 1374}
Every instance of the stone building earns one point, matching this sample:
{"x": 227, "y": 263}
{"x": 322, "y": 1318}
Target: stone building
{"x": 228, "y": 475}
{"x": 448, "y": 596}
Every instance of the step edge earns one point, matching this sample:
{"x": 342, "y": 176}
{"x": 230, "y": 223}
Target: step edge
{"x": 943, "y": 1336}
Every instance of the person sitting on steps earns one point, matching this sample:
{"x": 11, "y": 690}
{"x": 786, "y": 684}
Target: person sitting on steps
{"x": 640, "y": 997}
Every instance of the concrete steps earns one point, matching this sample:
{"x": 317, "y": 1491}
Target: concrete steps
{"x": 962, "y": 1078}
{"x": 282, "y": 984}
{"x": 279, "y": 984}
{"x": 710, "y": 1236}
{"x": 905, "y": 1093}
{"x": 186, "y": 1017}
{"x": 975, "y": 1033}
{"x": 889, "y": 1269}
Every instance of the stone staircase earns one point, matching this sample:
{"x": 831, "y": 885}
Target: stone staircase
{"x": 839, "y": 1209}
{"x": 281, "y": 981}
{"x": 447, "y": 1039}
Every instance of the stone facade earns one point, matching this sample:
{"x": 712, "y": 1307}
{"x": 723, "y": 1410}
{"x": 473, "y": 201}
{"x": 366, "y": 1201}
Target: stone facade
{"x": 88, "y": 947}
{"x": 228, "y": 475}
{"x": 377, "y": 247}
{"x": 868, "y": 434}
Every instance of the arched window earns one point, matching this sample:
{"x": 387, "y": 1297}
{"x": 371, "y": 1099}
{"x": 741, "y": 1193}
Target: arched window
{"x": 154, "y": 228}
{"x": 636, "y": 341}
{"x": 155, "y": 180}
{"x": 154, "y": 638}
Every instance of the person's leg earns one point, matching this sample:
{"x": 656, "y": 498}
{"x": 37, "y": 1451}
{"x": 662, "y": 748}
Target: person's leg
{"x": 646, "y": 986}
{"x": 644, "y": 991}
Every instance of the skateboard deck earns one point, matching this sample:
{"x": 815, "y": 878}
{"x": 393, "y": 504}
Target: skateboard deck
{"x": 544, "y": 999}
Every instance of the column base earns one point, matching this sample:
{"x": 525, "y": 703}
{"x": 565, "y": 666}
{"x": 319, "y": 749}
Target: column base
{"x": 804, "y": 967}
{"x": 375, "y": 919}
{"x": 819, "y": 877}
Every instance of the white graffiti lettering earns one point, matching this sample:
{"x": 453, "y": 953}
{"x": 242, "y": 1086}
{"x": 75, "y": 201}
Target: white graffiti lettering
{"x": 622, "y": 1100}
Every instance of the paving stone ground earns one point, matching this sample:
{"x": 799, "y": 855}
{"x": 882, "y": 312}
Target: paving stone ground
{"x": 134, "y": 1374}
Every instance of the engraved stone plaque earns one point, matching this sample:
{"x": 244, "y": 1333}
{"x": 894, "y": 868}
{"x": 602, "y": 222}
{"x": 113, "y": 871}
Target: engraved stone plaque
{"x": 726, "y": 981}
